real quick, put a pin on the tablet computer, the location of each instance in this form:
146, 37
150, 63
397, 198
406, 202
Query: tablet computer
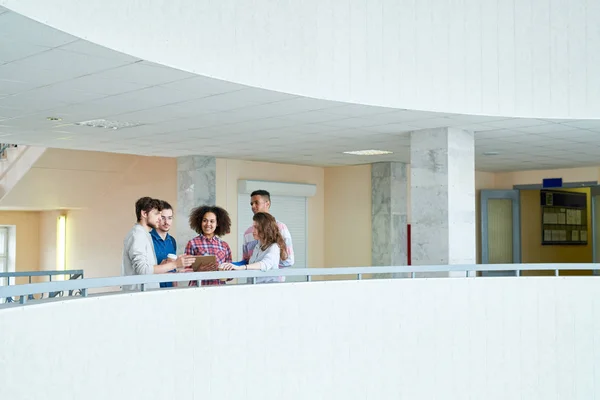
205, 263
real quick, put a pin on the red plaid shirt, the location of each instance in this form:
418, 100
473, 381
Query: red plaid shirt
202, 246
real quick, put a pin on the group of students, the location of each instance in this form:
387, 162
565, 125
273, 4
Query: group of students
149, 248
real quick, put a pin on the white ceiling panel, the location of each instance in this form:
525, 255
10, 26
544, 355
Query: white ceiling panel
498, 134
398, 117
204, 85
8, 87
32, 124
8, 112
57, 97
97, 84
514, 123
473, 119
311, 129
21, 29
151, 97
300, 104
583, 124
30, 102
12, 51
145, 74
258, 96
225, 101
356, 122
545, 128
524, 138
67, 62
151, 116
476, 127
568, 133
359, 110
91, 49
34, 74
313, 117
263, 111
431, 123
391, 128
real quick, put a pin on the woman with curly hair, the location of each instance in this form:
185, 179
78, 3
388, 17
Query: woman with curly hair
210, 222
269, 250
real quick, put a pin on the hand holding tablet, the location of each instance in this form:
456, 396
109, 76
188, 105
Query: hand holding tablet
205, 263
183, 263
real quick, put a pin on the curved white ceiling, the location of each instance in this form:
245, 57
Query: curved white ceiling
50, 81
526, 58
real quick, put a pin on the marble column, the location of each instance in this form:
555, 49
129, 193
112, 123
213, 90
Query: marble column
196, 185
442, 197
389, 214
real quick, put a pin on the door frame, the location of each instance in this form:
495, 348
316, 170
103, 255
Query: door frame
594, 191
513, 195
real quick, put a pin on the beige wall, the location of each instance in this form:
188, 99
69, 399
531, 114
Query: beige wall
48, 226
95, 234
348, 216
99, 190
230, 171
27, 225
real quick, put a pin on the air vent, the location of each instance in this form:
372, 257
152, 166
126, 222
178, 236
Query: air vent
103, 123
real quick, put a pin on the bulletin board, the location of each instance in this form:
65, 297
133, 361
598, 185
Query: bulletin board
564, 218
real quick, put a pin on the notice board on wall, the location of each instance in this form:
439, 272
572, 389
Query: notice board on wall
564, 218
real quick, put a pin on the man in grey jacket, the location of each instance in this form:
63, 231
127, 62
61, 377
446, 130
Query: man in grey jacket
138, 250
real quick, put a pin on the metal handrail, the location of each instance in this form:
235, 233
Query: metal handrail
71, 273
84, 284
40, 273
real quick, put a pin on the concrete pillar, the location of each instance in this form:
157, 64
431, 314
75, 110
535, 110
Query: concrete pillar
196, 185
389, 214
442, 197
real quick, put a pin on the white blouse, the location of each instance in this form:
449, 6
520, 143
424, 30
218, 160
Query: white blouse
268, 259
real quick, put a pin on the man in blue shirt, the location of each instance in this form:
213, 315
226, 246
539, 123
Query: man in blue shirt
164, 243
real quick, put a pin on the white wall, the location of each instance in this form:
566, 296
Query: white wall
453, 338
534, 58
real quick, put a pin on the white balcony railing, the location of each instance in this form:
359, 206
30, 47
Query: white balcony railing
25, 292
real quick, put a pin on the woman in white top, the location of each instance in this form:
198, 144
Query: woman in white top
269, 251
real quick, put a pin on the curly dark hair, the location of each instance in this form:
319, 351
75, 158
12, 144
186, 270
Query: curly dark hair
268, 231
147, 204
223, 220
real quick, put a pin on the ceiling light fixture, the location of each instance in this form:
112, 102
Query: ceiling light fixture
103, 123
368, 152
490, 153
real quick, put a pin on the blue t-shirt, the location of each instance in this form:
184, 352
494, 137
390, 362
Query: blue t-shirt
162, 248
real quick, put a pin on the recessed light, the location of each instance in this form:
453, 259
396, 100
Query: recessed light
368, 152
103, 123
490, 153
